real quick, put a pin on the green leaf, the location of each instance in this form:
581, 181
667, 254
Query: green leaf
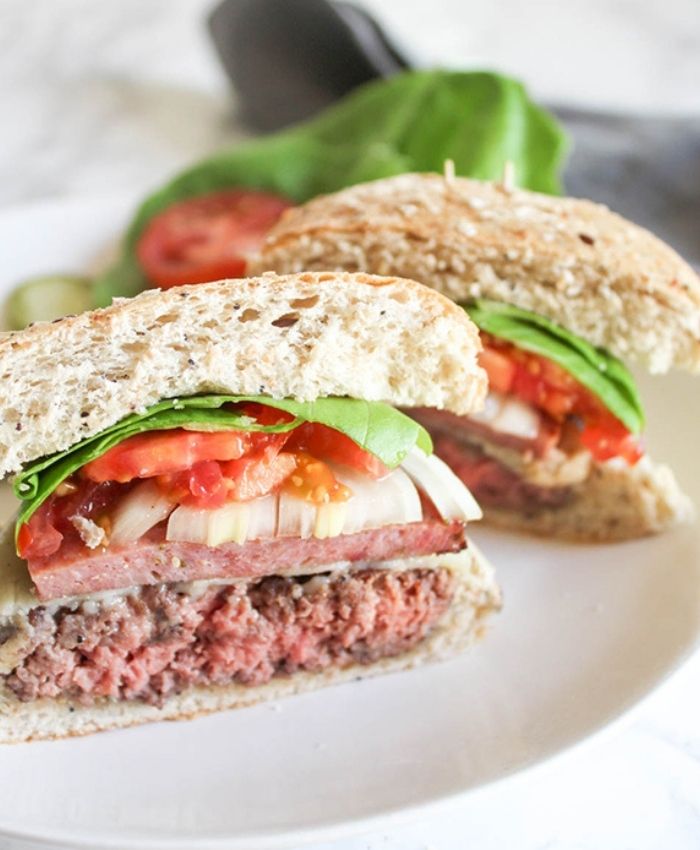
604, 375
411, 122
377, 427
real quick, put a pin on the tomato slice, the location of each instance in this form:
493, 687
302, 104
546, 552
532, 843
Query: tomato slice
239, 476
165, 452
605, 441
38, 538
207, 237
203, 485
325, 443
552, 390
499, 368
257, 475
43, 534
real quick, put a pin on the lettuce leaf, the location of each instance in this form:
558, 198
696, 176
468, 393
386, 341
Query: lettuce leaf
604, 375
411, 122
377, 427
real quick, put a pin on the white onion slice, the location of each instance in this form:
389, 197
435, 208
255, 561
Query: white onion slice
441, 485
295, 517
373, 504
392, 500
330, 519
229, 524
234, 522
262, 522
509, 416
141, 509
188, 525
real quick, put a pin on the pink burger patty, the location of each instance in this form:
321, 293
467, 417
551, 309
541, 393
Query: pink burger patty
157, 641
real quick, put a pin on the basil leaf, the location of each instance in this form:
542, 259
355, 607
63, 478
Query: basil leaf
411, 122
376, 427
604, 375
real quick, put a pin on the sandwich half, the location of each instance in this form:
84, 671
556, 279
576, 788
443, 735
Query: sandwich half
561, 290
219, 501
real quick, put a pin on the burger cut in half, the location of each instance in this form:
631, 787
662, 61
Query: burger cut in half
562, 291
219, 501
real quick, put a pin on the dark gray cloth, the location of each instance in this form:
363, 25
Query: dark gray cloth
288, 59
647, 169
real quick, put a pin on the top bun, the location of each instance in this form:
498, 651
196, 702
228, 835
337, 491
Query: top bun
299, 336
576, 262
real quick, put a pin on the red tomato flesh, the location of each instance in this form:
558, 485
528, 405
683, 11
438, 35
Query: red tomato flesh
47, 526
499, 367
202, 485
38, 538
207, 237
325, 443
257, 475
551, 389
157, 453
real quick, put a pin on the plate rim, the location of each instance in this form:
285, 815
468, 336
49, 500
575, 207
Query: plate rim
344, 828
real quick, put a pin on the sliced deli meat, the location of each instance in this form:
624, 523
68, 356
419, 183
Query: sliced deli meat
154, 560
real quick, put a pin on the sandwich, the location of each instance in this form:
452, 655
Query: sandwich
563, 291
220, 503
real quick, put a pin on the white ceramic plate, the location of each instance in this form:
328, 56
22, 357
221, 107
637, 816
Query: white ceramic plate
586, 632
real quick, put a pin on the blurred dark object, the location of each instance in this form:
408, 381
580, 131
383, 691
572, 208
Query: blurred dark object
289, 59
645, 168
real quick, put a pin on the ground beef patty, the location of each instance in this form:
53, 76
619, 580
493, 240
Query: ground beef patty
160, 640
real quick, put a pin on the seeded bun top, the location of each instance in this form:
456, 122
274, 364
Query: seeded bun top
299, 336
602, 277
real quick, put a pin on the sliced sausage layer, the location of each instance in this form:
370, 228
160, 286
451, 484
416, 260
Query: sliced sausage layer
76, 570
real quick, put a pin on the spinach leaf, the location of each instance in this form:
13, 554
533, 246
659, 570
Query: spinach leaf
411, 122
377, 427
604, 375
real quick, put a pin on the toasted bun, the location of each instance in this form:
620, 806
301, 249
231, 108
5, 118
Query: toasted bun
476, 596
615, 502
576, 262
300, 336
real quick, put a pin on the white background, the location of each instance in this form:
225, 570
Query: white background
98, 97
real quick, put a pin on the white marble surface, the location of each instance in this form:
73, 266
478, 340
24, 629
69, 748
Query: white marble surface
636, 55
104, 97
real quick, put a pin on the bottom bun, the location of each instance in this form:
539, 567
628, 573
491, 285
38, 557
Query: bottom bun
616, 502
476, 596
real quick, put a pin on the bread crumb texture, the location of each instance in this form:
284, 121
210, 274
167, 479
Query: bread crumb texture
299, 336
602, 277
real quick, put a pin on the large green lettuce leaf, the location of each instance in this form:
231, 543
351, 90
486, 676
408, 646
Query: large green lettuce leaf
377, 427
604, 375
412, 122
